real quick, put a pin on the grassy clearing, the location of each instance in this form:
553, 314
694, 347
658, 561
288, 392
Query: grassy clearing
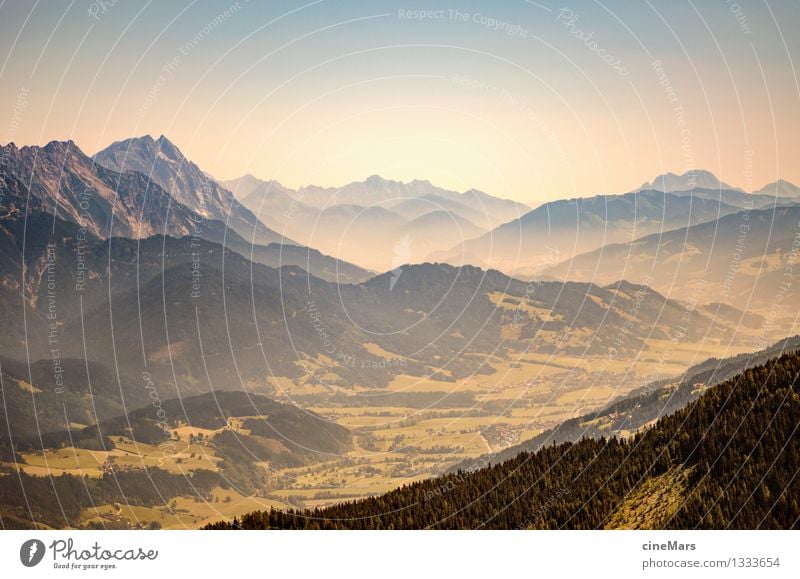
651, 504
379, 352
177, 458
28, 387
76, 461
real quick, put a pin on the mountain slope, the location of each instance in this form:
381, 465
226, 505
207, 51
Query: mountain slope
193, 447
559, 229
642, 406
740, 259
68, 183
780, 188
727, 460
438, 227
140, 304
161, 161
363, 222
314, 262
38, 400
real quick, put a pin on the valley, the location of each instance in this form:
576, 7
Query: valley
667, 476
412, 430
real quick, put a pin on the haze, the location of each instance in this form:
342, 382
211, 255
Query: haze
516, 100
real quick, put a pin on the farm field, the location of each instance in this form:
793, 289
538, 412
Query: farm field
181, 458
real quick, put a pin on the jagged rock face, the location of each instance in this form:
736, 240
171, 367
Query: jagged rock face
63, 180
163, 163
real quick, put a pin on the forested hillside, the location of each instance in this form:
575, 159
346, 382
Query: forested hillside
729, 459
642, 406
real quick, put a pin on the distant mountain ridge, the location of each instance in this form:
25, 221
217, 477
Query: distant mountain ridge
559, 229
702, 179
696, 179
779, 188
376, 189
738, 198
364, 221
740, 259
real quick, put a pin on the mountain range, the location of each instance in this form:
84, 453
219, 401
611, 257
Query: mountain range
741, 259
139, 303
150, 188
697, 179
62, 179
780, 188
59, 178
134, 272
559, 230
377, 223
183, 296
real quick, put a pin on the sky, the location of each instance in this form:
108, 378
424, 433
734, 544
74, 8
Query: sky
525, 100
